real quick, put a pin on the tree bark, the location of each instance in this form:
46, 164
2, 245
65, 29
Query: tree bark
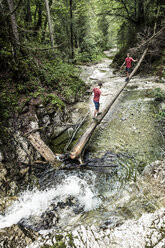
13, 22
140, 12
41, 147
39, 21
78, 149
49, 23
71, 29
28, 12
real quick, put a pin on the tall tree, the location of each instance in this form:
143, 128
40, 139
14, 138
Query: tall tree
71, 29
49, 23
28, 12
13, 22
141, 17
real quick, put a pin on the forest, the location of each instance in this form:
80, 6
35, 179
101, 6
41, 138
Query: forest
38, 36
47, 46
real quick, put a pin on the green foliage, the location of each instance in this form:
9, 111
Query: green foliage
161, 114
59, 243
49, 80
43, 74
71, 240
159, 94
63, 78
54, 100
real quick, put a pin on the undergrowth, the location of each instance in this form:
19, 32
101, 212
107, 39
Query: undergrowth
39, 78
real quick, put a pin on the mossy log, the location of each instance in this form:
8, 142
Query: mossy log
77, 151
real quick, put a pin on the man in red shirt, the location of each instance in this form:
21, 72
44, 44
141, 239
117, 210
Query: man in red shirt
128, 61
97, 93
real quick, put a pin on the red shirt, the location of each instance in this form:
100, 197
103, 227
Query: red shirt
128, 61
97, 93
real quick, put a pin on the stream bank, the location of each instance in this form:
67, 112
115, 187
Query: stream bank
97, 205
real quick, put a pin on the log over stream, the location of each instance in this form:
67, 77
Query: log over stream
77, 152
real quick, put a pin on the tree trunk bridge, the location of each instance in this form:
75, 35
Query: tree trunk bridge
77, 151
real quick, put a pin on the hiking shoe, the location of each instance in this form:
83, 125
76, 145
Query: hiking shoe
127, 79
99, 113
95, 119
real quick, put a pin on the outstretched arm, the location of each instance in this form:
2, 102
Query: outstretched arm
122, 65
106, 94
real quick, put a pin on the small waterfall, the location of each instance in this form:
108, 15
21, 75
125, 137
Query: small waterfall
34, 203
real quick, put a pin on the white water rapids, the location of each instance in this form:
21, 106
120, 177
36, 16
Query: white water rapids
37, 202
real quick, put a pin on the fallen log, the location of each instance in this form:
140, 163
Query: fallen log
41, 147
75, 132
78, 149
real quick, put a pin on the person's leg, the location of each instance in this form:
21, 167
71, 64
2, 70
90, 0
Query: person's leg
95, 113
96, 108
127, 72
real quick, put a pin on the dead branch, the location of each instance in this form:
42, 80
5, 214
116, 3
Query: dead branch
151, 38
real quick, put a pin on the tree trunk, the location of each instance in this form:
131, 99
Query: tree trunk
135, 8
140, 12
41, 147
78, 149
49, 23
39, 22
71, 29
44, 28
156, 16
13, 22
28, 12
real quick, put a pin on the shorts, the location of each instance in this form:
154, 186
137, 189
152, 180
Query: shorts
128, 69
97, 104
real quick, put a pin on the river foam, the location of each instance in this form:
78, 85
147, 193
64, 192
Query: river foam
37, 202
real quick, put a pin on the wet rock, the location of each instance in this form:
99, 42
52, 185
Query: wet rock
112, 223
49, 220
148, 231
46, 221
154, 175
25, 110
3, 172
46, 120
13, 188
1, 157
34, 124
142, 233
16, 237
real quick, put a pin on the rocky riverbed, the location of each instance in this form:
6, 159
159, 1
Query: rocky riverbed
147, 231
122, 205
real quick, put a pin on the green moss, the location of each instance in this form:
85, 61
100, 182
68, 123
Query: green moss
54, 100
59, 237
71, 240
159, 94
59, 243
161, 114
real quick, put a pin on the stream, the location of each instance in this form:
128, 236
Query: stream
104, 192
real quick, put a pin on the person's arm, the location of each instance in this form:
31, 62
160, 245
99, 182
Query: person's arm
134, 60
106, 94
122, 65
